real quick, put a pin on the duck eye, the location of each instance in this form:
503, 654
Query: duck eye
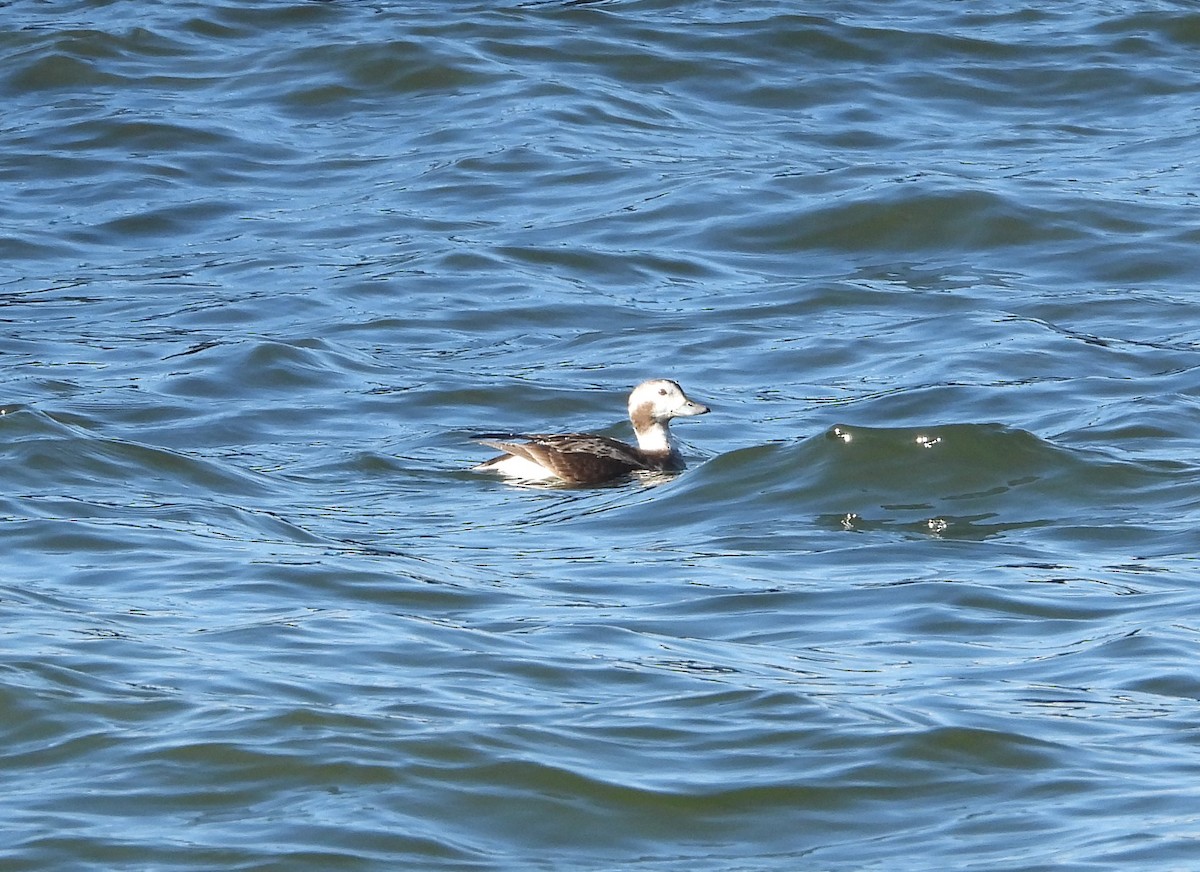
662, 392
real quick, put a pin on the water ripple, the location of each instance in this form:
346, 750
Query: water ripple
924, 595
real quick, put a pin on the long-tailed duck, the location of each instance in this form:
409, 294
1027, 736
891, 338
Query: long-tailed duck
582, 458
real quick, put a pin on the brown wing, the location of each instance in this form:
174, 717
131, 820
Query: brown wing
579, 458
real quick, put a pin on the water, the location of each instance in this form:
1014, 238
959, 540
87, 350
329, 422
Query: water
924, 599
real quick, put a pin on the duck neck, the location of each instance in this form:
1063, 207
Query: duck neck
653, 437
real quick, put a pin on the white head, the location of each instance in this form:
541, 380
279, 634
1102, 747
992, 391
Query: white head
652, 404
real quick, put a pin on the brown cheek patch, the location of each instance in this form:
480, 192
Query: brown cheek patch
642, 416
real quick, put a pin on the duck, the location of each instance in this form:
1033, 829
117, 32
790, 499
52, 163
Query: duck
585, 458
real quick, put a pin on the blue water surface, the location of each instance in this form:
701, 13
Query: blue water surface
925, 598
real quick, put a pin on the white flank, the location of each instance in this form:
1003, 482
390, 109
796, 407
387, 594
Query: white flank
517, 467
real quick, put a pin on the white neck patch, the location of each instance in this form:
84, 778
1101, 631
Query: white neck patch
654, 438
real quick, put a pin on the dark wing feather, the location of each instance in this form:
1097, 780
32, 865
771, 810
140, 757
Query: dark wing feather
579, 458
